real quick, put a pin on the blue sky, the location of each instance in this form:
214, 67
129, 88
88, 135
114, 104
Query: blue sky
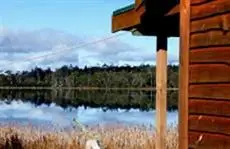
33, 28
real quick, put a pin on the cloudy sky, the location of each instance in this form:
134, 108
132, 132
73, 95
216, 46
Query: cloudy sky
52, 33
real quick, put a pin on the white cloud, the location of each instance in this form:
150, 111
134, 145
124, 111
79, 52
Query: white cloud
20, 49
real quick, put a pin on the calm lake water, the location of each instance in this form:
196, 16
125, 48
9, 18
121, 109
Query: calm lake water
42, 111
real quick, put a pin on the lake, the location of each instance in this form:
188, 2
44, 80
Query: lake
43, 108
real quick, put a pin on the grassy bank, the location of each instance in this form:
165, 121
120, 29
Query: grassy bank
116, 137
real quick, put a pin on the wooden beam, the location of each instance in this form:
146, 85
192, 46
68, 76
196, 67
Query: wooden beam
216, 91
210, 124
210, 39
127, 20
174, 10
210, 55
199, 2
208, 9
138, 4
219, 22
203, 140
184, 72
209, 107
161, 94
209, 73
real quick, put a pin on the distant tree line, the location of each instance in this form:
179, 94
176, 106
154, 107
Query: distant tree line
105, 76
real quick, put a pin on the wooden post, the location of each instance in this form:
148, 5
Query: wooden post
161, 93
184, 73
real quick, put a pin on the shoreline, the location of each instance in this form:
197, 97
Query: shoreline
79, 88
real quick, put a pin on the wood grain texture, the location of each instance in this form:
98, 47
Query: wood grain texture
126, 20
198, 140
210, 9
209, 73
198, 2
210, 91
161, 93
219, 22
209, 124
209, 107
173, 11
138, 4
211, 38
210, 55
184, 72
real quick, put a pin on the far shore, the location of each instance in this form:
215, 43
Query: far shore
78, 88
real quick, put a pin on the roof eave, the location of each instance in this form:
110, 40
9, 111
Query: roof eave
126, 20
123, 10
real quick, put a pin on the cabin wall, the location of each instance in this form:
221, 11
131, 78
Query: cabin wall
209, 75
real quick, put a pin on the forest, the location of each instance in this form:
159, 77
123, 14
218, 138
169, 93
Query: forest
104, 76
58, 86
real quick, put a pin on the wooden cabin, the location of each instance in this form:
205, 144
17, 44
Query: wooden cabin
204, 92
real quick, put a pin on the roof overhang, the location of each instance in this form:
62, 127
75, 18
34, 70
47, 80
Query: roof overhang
138, 17
127, 17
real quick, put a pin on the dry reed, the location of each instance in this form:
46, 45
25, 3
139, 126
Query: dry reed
124, 137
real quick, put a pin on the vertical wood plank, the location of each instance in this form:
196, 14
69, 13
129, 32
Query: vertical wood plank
161, 93
184, 72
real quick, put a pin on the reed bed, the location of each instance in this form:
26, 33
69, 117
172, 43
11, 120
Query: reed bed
112, 137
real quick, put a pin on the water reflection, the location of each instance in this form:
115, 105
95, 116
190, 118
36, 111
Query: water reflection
59, 107
106, 99
26, 112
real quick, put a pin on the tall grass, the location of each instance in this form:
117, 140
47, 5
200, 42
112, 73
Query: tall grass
113, 137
